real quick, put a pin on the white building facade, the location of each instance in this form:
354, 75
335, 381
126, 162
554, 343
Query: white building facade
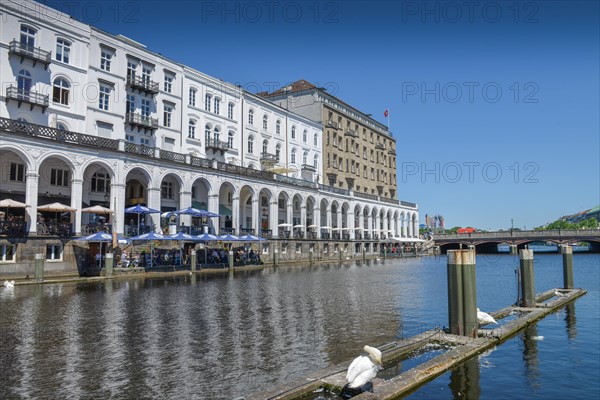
89, 118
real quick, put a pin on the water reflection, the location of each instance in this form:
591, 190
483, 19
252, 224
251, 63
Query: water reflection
464, 380
571, 319
530, 339
190, 337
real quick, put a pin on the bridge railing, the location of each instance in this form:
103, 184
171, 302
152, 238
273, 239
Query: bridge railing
547, 233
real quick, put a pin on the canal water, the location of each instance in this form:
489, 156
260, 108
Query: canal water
224, 336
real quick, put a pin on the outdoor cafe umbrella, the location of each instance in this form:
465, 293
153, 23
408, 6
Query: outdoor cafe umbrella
138, 209
206, 237
183, 237
285, 225
101, 237
58, 208
97, 210
151, 237
10, 203
251, 238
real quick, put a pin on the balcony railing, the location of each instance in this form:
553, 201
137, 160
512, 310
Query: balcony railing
46, 133
308, 167
142, 84
392, 151
27, 96
13, 228
351, 132
141, 121
387, 200
380, 146
268, 157
139, 149
34, 54
216, 145
332, 124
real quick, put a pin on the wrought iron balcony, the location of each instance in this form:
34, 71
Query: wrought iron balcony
332, 124
268, 157
142, 84
216, 145
34, 54
308, 167
380, 146
141, 121
27, 96
351, 132
392, 151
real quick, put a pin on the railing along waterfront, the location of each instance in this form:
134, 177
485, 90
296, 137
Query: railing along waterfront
44, 132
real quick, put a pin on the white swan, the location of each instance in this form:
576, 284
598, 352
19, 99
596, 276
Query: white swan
484, 318
558, 294
364, 368
9, 284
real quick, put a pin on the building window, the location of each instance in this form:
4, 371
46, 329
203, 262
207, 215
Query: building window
293, 156
130, 103
316, 162
130, 138
216, 134
293, 132
278, 152
24, 82
192, 129
316, 139
145, 107
250, 144
265, 122
131, 69
53, 252
304, 136
265, 146
101, 182
63, 50
278, 127
27, 38
192, 97
207, 100
305, 158
251, 117
168, 85
207, 130
60, 92
146, 75
104, 97
17, 172
105, 59
166, 190
217, 105
168, 112
230, 138
7, 253
230, 110
145, 141
59, 177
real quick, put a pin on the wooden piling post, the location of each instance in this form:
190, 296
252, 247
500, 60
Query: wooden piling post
527, 278
567, 256
469, 291
455, 306
193, 261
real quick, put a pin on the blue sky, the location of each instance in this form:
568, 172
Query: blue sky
494, 105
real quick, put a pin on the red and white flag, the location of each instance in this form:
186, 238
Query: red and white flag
386, 113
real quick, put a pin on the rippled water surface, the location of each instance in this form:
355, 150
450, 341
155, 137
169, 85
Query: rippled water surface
226, 336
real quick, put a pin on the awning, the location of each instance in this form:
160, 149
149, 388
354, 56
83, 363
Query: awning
407, 240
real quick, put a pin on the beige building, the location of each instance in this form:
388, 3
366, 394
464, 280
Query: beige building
359, 153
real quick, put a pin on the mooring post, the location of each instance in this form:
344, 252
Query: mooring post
527, 278
230, 260
455, 295
275, 256
469, 289
311, 255
193, 261
364, 252
108, 264
567, 255
39, 267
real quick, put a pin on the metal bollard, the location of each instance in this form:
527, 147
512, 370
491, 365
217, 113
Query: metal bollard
193, 261
469, 289
39, 267
108, 263
230, 259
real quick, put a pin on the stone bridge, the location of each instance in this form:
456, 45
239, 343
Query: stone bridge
487, 242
